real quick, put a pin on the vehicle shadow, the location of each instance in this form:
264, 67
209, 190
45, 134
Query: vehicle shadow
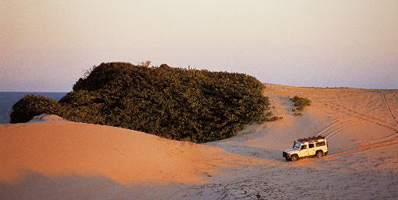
255, 152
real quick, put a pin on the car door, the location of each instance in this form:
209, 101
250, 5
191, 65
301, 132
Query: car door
303, 150
311, 149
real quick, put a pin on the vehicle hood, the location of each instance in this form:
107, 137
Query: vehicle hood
289, 151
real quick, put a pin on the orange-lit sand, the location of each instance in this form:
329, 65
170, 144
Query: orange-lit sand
57, 148
64, 160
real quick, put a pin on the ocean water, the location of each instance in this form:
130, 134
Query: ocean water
8, 99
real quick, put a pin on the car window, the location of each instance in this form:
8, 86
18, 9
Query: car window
303, 147
320, 144
311, 146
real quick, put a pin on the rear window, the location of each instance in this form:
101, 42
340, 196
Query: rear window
320, 144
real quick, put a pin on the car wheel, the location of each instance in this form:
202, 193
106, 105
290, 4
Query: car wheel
319, 154
294, 158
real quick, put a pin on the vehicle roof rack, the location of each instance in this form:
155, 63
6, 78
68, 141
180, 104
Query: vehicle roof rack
311, 139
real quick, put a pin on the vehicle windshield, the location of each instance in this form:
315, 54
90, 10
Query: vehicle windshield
296, 145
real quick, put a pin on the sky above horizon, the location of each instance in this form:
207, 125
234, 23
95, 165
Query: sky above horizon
45, 45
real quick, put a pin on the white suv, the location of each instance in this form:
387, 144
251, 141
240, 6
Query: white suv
315, 146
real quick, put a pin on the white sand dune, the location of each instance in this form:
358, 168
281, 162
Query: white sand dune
57, 159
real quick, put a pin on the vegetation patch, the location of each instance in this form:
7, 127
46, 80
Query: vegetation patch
32, 105
300, 103
176, 103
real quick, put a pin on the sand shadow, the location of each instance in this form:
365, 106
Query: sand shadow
37, 186
255, 152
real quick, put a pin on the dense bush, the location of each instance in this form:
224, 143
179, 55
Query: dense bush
300, 102
31, 105
181, 104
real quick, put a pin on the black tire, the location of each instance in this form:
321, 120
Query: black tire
294, 157
319, 154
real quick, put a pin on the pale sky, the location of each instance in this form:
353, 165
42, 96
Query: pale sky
45, 45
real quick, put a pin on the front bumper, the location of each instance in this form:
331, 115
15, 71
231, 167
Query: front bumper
286, 155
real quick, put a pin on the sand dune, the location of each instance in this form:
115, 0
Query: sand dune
59, 148
56, 159
61, 152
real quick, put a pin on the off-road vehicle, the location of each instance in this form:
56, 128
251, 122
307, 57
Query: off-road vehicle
304, 147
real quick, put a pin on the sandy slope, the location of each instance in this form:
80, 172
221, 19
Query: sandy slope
64, 160
50, 158
361, 128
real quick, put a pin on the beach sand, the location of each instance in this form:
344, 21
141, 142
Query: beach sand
50, 158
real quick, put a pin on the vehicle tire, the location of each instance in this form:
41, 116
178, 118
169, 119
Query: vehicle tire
319, 154
294, 158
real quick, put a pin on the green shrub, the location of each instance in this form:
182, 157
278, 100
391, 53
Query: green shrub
31, 105
300, 103
181, 104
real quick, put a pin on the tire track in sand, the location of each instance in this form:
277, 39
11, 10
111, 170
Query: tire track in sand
337, 130
348, 111
333, 124
325, 132
361, 148
358, 115
343, 128
364, 146
383, 96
